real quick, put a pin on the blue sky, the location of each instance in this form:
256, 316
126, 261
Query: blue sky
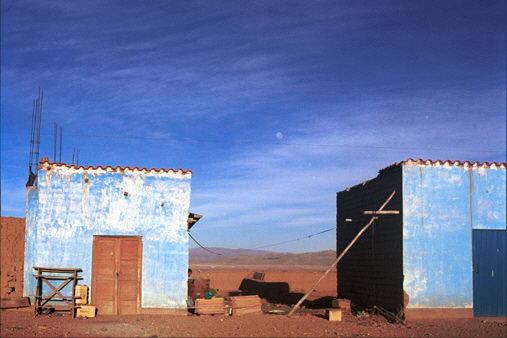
274, 105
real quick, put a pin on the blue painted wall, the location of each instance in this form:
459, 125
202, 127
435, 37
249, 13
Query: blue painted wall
488, 199
72, 205
441, 206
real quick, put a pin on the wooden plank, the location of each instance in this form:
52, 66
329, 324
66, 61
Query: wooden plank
41, 269
56, 277
382, 212
7, 303
246, 311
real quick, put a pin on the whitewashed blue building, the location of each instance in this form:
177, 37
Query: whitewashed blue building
446, 247
126, 228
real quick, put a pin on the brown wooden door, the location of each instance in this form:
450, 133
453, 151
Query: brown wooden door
116, 274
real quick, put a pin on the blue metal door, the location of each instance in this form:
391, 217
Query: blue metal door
490, 270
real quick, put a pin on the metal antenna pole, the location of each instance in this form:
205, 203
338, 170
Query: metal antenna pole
60, 159
73, 151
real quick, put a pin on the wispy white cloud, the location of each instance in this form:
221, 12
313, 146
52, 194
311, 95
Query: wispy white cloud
350, 87
295, 186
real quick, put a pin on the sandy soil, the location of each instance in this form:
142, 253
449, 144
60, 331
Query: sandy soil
306, 322
302, 324
229, 280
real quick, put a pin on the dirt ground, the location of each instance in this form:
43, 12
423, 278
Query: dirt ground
226, 280
302, 324
306, 322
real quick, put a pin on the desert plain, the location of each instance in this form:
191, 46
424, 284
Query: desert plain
309, 321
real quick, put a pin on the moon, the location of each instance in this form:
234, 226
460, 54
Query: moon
279, 135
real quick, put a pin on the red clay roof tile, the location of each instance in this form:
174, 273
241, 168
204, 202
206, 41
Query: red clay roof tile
184, 172
429, 162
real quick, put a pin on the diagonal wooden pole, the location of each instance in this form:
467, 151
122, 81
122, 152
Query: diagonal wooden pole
340, 257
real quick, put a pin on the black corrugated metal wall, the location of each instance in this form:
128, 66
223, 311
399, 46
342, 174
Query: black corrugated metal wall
371, 273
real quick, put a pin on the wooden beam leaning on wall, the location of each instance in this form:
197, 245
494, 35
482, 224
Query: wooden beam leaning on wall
341, 255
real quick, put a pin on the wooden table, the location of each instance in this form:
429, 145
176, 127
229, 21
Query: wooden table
49, 276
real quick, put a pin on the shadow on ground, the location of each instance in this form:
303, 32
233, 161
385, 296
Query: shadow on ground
279, 293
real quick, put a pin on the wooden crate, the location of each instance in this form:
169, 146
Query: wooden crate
242, 305
86, 311
246, 301
81, 294
210, 306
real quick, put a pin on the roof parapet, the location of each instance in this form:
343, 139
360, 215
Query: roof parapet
448, 163
45, 164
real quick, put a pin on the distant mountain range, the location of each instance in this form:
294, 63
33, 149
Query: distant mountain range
200, 253
230, 257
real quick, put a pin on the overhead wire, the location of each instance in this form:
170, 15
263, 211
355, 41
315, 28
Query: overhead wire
292, 240
263, 246
215, 253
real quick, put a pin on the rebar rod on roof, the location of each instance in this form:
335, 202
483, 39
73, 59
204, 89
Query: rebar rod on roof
32, 132
56, 134
41, 95
35, 139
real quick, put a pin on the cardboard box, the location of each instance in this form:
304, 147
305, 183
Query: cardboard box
334, 315
81, 294
86, 311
